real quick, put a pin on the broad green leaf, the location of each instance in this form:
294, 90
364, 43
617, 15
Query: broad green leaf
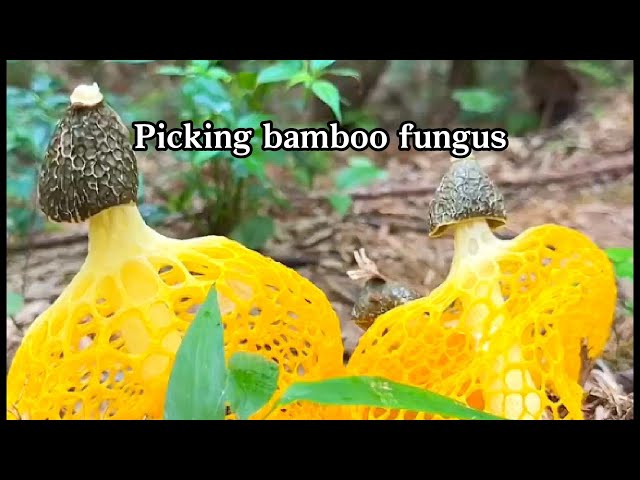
360, 173
200, 65
518, 123
300, 77
622, 259
624, 270
329, 94
379, 393
278, 72
206, 87
340, 203
197, 381
247, 80
218, 73
620, 254
319, 65
344, 72
15, 302
478, 100
251, 382
170, 70
254, 232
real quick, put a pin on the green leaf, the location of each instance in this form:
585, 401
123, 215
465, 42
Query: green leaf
200, 65
518, 123
319, 65
15, 302
620, 254
218, 73
622, 259
247, 80
329, 94
254, 232
197, 381
340, 203
300, 77
170, 70
478, 100
360, 173
251, 382
624, 270
345, 72
278, 72
379, 393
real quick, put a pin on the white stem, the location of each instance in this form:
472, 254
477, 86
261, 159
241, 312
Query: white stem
118, 233
475, 248
474, 267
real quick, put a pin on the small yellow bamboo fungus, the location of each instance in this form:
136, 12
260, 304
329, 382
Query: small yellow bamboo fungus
503, 333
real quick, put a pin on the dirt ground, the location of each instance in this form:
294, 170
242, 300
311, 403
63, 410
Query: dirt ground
579, 175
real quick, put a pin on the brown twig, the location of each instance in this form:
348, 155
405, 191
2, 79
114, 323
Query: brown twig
616, 168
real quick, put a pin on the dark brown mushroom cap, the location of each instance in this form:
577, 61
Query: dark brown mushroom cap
378, 297
465, 192
89, 165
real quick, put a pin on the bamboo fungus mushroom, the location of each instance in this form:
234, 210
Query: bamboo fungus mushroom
506, 329
105, 348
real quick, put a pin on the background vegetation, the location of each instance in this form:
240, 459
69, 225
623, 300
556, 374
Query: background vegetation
221, 195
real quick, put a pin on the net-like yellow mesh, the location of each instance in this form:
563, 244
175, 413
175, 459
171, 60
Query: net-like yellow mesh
557, 288
106, 347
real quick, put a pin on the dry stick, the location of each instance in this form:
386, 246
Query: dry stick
618, 168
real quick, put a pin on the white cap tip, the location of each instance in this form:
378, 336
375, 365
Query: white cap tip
86, 95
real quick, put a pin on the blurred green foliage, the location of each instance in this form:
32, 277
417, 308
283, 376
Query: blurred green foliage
237, 192
622, 259
31, 117
233, 195
215, 192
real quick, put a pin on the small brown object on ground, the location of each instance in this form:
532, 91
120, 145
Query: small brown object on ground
379, 294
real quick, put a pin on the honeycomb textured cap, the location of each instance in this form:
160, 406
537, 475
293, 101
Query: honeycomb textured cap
465, 192
89, 165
